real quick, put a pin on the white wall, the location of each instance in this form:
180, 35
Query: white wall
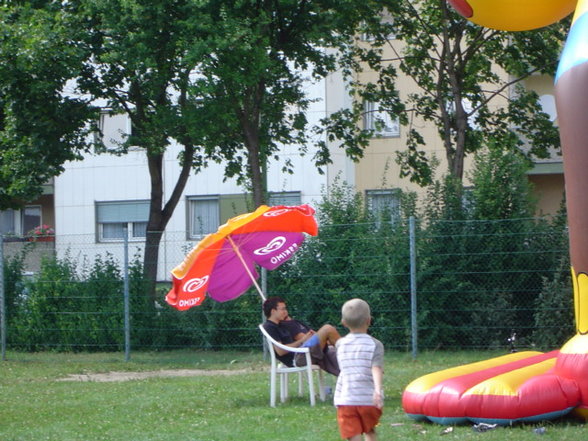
106, 177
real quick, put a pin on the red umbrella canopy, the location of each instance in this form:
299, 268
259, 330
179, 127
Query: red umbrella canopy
223, 264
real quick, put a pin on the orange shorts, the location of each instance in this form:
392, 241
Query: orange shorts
355, 420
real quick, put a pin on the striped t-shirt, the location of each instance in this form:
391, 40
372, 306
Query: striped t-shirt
356, 354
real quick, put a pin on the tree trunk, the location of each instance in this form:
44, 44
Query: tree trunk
460, 142
257, 181
249, 118
160, 213
156, 224
150, 260
458, 122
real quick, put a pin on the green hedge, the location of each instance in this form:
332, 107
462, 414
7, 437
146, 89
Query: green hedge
485, 269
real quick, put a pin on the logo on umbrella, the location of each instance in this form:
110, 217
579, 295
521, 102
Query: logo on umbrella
194, 285
190, 302
274, 245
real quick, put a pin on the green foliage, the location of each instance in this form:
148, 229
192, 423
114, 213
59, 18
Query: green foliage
482, 272
482, 257
40, 128
460, 71
13, 268
554, 309
501, 189
353, 256
61, 311
70, 306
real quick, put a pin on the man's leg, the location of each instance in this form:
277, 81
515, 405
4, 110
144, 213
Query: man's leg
328, 334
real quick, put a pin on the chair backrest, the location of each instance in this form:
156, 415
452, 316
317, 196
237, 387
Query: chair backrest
267, 341
271, 343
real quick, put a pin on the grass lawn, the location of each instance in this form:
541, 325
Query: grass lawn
35, 405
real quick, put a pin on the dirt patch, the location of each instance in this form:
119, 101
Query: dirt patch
128, 376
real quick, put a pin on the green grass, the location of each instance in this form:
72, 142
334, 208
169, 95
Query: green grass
35, 406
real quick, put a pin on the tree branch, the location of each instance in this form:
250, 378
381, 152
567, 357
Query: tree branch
499, 91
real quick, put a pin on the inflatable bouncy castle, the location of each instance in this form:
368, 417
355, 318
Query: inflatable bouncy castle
530, 386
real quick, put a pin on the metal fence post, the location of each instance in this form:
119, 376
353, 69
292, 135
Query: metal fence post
2, 301
413, 287
126, 297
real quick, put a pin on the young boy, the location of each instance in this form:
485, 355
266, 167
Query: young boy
358, 395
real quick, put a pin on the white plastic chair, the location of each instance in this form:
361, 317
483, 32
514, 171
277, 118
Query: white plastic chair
282, 370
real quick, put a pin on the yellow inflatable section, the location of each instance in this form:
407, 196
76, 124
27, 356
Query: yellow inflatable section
519, 387
426, 382
514, 15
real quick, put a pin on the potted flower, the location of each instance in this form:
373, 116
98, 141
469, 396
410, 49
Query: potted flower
42, 233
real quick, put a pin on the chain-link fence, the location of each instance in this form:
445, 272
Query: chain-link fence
466, 285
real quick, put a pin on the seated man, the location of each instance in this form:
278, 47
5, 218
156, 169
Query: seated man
295, 334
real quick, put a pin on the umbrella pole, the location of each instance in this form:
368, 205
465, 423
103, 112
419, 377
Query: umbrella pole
238, 253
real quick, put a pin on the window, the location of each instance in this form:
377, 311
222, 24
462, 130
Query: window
135, 134
387, 21
114, 218
203, 215
284, 198
30, 218
20, 221
379, 121
384, 204
114, 129
7, 222
547, 103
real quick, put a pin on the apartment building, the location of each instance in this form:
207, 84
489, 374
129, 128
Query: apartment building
377, 175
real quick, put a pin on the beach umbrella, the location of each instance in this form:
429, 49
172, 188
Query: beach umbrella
224, 264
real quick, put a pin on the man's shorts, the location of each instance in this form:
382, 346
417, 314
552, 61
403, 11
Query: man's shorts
355, 420
325, 358
314, 340
316, 352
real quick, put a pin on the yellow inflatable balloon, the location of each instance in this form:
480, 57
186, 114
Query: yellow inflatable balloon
514, 15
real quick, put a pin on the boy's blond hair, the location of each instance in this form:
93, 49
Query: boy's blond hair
355, 313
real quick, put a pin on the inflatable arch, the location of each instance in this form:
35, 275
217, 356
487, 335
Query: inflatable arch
530, 386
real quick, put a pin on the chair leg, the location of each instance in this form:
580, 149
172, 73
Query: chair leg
273, 388
283, 387
310, 386
300, 384
321, 385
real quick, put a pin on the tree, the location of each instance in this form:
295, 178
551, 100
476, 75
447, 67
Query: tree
501, 187
40, 128
467, 82
225, 80
221, 79
263, 55
483, 254
141, 57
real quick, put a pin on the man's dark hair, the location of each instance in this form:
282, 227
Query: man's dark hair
271, 303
